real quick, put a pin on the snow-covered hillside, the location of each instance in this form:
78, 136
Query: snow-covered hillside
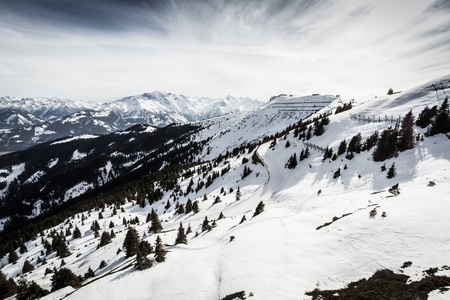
316, 229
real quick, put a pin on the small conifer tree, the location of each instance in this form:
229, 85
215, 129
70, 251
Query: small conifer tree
259, 209
238, 194
76, 233
12, 258
27, 267
243, 219
195, 208
391, 172
131, 242
155, 226
181, 236
205, 225
160, 253
89, 274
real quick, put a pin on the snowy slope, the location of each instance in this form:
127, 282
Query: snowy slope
303, 237
228, 132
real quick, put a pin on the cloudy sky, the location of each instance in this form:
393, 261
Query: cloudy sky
106, 49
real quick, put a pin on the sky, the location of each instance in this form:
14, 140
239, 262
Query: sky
107, 49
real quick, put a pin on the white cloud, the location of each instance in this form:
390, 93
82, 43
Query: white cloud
251, 48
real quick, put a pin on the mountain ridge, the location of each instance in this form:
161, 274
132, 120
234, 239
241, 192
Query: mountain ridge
23, 121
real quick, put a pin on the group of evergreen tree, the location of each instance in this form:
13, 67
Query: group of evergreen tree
65, 277
29, 290
292, 161
8, 287
59, 245
142, 249
441, 122
247, 171
438, 120
346, 106
304, 154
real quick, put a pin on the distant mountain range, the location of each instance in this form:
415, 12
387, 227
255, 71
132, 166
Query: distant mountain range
29, 121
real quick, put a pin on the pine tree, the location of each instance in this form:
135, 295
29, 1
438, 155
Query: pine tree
319, 129
105, 239
371, 141
142, 262
243, 219
386, 145
238, 194
355, 144
29, 290
27, 267
102, 265
391, 172
259, 209
342, 147
247, 171
328, 153
425, 116
441, 123
65, 277
180, 209
195, 207
160, 253
292, 162
155, 226
7, 286
395, 190
61, 249
221, 216
131, 242
89, 274
188, 206
76, 233
205, 225
22, 248
12, 259
167, 205
407, 133
337, 173
181, 236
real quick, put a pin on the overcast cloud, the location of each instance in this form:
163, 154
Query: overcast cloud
106, 49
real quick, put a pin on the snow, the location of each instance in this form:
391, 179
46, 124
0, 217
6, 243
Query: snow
41, 130
77, 155
35, 177
52, 162
77, 190
9, 176
289, 248
80, 137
